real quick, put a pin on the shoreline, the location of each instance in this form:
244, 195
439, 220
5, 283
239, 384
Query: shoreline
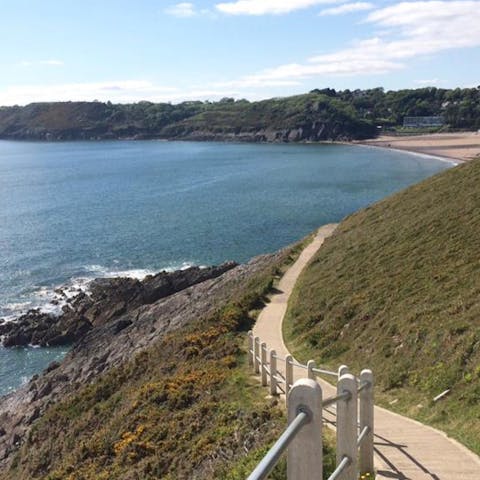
441, 158
457, 147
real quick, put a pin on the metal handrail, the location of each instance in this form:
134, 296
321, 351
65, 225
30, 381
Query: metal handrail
320, 371
340, 467
342, 396
296, 364
273, 456
363, 386
365, 431
278, 357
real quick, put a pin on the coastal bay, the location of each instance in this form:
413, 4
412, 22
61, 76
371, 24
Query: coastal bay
75, 211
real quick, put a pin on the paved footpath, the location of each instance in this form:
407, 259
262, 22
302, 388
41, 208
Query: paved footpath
404, 449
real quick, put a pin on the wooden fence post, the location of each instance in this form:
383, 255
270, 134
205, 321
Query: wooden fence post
273, 372
304, 461
263, 363
310, 366
256, 354
251, 352
342, 370
366, 420
288, 374
347, 426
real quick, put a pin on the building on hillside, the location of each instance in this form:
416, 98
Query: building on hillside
422, 122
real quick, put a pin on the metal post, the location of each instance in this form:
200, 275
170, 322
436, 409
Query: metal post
347, 426
256, 354
288, 374
304, 461
251, 351
273, 372
342, 370
366, 420
263, 363
310, 366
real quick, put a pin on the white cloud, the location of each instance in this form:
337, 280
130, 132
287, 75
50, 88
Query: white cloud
51, 63
121, 91
268, 7
428, 83
347, 8
415, 29
182, 10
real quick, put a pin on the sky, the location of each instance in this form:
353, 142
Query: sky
170, 51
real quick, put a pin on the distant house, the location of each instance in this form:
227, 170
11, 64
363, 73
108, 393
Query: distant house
421, 122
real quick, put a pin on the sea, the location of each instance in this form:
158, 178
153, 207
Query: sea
74, 211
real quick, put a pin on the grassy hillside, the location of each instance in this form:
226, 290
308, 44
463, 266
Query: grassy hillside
186, 408
397, 289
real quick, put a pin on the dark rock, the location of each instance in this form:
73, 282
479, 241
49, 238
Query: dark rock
109, 299
120, 325
52, 366
35, 414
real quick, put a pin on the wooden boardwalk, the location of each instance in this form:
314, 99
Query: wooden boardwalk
404, 449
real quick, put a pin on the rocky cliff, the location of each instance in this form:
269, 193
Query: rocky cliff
310, 117
106, 300
126, 318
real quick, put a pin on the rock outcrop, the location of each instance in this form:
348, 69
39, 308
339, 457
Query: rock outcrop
115, 338
107, 299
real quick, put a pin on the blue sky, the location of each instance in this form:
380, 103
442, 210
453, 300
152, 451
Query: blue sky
127, 51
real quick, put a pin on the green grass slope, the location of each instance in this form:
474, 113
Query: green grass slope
186, 408
397, 289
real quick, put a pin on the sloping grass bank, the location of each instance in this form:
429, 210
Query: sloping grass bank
397, 289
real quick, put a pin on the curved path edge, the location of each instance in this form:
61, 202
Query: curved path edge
405, 449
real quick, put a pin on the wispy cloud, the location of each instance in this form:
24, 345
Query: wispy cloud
121, 91
347, 8
414, 29
268, 7
427, 83
50, 63
182, 10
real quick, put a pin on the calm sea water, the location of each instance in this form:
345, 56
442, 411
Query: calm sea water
70, 212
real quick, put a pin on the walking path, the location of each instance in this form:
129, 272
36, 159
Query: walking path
404, 449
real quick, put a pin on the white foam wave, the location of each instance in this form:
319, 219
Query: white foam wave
51, 300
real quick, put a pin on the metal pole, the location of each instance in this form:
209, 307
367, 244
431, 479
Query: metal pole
366, 421
263, 363
271, 458
251, 351
256, 354
273, 372
288, 374
347, 426
305, 461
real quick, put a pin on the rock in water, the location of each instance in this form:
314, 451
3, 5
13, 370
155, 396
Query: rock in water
108, 299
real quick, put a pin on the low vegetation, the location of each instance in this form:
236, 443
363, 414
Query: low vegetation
186, 408
397, 289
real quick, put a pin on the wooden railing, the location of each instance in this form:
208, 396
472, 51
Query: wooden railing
305, 403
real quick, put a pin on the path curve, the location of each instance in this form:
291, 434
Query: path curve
404, 449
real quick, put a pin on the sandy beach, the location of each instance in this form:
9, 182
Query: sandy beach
462, 146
